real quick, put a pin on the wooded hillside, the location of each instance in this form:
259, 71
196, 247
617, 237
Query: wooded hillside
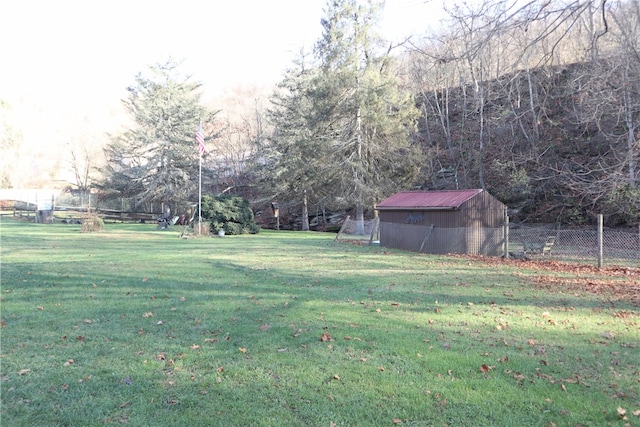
539, 104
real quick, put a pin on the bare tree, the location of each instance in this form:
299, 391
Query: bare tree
242, 128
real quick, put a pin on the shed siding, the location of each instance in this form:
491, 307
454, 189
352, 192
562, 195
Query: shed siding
474, 228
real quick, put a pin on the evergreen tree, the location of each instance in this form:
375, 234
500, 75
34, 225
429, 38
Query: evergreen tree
368, 120
343, 127
156, 160
294, 166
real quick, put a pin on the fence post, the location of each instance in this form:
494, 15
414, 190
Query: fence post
426, 237
505, 254
600, 241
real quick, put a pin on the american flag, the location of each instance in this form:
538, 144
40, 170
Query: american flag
200, 140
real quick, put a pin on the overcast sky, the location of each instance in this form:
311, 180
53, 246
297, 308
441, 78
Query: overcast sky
61, 58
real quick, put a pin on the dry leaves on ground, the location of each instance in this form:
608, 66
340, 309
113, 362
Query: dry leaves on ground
621, 283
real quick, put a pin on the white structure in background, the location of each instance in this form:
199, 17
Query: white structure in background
39, 201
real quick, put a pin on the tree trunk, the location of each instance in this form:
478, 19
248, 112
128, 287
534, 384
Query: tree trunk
631, 139
360, 219
305, 212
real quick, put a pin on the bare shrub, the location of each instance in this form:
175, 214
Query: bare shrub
92, 223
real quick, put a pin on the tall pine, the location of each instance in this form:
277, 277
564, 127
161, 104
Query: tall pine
368, 120
295, 167
156, 159
343, 127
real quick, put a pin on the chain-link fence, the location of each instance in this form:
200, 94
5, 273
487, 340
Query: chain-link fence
520, 241
574, 245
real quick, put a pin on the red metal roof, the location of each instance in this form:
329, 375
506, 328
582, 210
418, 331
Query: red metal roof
447, 199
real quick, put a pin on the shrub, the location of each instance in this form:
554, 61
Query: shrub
92, 223
229, 213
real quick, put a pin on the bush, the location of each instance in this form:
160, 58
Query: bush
92, 223
229, 213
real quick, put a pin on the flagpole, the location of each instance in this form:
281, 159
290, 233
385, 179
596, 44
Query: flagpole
200, 199
200, 187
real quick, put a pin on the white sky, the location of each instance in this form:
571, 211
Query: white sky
64, 59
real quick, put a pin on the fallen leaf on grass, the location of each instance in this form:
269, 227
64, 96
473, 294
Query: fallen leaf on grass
41, 308
397, 421
147, 314
608, 335
325, 337
124, 405
265, 327
69, 362
24, 371
484, 368
519, 377
242, 350
622, 412
195, 347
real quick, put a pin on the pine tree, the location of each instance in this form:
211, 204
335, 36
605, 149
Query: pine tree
369, 120
295, 167
343, 127
156, 160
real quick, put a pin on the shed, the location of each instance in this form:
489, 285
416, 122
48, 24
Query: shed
439, 222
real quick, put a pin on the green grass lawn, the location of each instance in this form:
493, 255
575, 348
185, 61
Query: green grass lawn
137, 326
